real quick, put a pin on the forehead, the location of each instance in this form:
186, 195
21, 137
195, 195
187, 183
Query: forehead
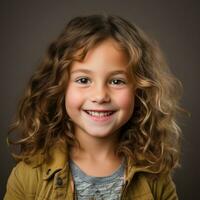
107, 53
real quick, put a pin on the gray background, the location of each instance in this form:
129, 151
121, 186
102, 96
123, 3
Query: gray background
27, 27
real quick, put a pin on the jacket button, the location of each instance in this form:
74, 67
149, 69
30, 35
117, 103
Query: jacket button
59, 181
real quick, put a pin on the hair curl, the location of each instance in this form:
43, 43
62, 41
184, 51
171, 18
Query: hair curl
150, 138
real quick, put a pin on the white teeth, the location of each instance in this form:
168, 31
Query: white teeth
99, 114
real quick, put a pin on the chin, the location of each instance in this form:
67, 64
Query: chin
100, 134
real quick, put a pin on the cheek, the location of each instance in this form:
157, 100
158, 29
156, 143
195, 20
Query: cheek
72, 99
125, 100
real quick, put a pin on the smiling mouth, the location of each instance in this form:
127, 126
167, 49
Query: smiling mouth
99, 114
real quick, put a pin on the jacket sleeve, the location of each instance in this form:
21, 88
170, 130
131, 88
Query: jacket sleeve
164, 188
18, 183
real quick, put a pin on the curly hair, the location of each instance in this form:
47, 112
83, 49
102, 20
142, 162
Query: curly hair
150, 138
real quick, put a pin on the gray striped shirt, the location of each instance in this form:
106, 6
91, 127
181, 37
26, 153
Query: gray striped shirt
98, 188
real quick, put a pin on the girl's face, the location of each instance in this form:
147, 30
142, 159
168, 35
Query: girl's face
100, 93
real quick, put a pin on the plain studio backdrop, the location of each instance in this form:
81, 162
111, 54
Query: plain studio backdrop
27, 27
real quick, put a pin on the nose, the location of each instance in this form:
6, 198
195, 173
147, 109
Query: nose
100, 95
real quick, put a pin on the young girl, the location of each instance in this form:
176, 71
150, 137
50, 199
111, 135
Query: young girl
98, 118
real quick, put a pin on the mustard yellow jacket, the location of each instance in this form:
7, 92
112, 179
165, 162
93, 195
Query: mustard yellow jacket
53, 181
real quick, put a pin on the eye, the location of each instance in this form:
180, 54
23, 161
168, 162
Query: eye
83, 80
117, 82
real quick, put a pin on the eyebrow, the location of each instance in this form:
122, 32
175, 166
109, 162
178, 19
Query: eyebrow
90, 72
81, 70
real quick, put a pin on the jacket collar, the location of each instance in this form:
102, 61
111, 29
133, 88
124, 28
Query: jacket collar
59, 158
59, 161
132, 169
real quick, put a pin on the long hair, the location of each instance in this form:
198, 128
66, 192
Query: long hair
151, 137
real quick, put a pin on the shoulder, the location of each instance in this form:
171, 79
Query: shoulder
25, 171
162, 187
146, 185
22, 180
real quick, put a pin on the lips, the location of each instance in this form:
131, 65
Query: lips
100, 115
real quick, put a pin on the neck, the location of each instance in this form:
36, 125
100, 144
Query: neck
93, 148
96, 156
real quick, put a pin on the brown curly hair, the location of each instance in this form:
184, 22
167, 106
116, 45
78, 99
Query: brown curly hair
150, 138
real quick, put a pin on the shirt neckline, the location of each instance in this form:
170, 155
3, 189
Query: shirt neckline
77, 172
